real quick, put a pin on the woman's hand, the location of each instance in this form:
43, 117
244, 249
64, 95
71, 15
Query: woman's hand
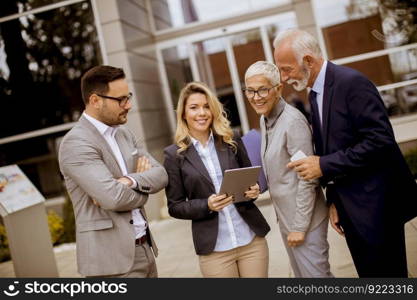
295, 239
252, 192
218, 202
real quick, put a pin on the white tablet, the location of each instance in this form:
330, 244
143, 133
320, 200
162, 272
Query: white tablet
237, 181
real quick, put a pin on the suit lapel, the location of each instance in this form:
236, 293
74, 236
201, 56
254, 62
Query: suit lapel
102, 144
193, 158
223, 155
125, 150
263, 136
327, 99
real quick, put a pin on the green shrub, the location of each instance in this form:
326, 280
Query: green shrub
56, 226
4, 245
411, 159
69, 222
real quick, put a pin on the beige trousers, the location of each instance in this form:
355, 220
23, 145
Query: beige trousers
247, 261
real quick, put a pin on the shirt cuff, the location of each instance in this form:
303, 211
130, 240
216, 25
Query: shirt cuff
135, 184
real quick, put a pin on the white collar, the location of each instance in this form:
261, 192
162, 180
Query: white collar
197, 142
104, 129
318, 85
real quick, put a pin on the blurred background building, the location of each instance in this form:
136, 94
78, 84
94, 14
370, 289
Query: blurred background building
46, 45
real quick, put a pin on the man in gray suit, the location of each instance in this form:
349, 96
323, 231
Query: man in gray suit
109, 176
299, 204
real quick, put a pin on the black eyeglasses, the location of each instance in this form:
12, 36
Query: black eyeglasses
122, 100
262, 92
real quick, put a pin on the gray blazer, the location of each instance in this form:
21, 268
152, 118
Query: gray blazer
105, 237
299, 204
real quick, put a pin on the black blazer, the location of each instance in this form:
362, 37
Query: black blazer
190, 186
360, 155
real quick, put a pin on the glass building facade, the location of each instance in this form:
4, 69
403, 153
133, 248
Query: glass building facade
46, 45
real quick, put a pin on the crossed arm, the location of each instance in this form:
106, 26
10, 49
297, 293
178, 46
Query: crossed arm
142, 165
85, 168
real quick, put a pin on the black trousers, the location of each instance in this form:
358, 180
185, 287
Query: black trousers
385, 259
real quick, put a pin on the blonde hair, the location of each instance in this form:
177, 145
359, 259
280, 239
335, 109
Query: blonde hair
220, 124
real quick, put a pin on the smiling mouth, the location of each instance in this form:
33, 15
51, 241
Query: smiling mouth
292, 82
259, 104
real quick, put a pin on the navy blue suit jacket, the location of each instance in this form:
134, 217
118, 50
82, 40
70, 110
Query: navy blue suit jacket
360, 155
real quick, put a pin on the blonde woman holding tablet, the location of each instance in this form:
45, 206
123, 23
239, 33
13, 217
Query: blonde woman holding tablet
228, 238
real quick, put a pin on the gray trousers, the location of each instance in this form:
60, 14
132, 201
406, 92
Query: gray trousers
144, 265
310, 259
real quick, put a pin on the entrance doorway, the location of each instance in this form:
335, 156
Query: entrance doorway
220, 58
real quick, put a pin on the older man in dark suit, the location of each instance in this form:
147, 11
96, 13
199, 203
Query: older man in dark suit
369, 187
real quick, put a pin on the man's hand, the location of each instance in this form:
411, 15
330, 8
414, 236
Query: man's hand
252, 192
218, 202
308, 168
295, 239
143, 164
125, 180
95, 202
334, 220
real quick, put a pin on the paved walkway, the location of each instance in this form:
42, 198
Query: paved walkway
178, 259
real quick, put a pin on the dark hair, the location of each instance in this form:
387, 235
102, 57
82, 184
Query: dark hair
96, 80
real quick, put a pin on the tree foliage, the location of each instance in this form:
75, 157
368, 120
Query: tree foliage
46, 54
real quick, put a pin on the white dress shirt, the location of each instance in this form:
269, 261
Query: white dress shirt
233, 230
318, 87
108, 133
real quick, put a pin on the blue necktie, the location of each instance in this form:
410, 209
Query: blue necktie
315, 122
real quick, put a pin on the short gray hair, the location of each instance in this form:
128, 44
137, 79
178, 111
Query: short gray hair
301, 41
266, 69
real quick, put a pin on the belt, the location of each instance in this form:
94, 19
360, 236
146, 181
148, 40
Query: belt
142, 240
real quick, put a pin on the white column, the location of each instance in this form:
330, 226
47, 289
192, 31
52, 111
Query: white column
193, 62
231, 61
97, 23
266, 44
166, 92
306, 19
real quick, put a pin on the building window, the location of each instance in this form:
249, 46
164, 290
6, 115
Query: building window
177, 13
42, 58
11, 7
381, 44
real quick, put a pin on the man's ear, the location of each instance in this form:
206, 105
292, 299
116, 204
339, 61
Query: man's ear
308, 60
94, 100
